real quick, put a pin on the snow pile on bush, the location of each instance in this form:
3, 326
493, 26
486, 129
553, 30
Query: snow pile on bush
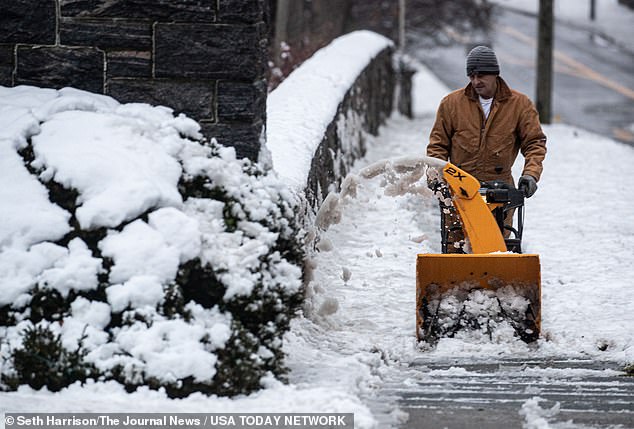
132, 250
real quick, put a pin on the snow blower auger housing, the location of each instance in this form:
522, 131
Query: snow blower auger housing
483, 289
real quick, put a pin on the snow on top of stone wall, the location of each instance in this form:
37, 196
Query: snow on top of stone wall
300, 108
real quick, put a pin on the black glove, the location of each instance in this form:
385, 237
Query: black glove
528, 185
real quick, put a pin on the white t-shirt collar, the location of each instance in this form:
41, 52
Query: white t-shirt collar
486, 105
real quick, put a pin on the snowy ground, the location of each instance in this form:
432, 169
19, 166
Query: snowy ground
358, 333
576, 222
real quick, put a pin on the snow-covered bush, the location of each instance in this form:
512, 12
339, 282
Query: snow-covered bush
132, 250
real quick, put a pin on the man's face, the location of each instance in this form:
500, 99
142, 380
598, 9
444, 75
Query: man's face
484, 84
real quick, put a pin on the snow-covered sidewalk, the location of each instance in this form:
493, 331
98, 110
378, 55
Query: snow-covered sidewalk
361, 334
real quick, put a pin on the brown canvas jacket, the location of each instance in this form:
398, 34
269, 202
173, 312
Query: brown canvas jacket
487, 150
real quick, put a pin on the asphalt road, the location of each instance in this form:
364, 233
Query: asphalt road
593, 83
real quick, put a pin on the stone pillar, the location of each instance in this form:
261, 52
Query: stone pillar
204, 58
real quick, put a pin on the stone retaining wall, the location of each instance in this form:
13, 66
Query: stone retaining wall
366, 106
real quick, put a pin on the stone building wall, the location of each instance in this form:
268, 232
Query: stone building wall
204, 58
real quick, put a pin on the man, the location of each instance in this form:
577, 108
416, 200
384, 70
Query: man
481, 128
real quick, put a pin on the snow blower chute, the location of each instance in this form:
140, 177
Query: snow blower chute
491, 285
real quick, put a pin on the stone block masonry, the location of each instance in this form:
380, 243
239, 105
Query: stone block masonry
204, 58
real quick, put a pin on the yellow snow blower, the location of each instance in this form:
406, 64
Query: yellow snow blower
489, 286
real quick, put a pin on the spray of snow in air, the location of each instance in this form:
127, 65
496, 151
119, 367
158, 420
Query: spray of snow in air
399, 176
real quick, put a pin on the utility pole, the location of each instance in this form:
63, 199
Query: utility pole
401, 24
544, 82
592, 10
281, 28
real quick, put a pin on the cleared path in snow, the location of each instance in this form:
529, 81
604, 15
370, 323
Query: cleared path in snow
505, 394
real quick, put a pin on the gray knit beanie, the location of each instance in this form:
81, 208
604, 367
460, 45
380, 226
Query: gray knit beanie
482, 60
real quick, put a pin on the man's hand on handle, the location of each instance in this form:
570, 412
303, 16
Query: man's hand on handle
528, 185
